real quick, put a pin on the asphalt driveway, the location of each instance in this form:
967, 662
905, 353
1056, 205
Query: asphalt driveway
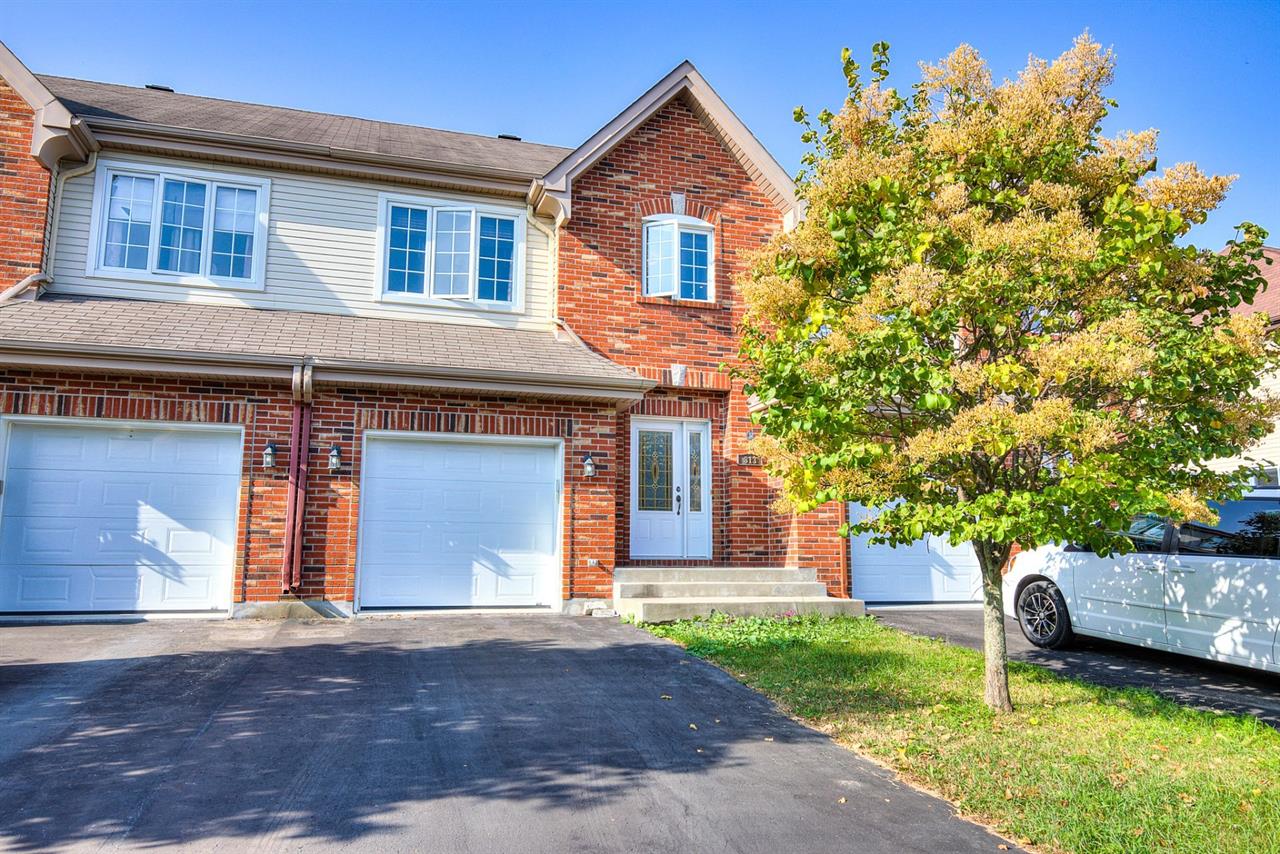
461, 733
1190, 681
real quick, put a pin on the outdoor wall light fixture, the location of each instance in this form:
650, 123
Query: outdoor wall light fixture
335, 458
588, 466
269, 456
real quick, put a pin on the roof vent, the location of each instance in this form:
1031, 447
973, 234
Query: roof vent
510, 136
159, 88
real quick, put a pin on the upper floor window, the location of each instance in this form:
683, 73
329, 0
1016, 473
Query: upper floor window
679, 253
182, 226
435, 250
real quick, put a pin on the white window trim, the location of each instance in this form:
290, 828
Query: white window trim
469, 302
681, 223
94, 268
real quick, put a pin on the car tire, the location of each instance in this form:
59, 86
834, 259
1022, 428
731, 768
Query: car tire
1042, 615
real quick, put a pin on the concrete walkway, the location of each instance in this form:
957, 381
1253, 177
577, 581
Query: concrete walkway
460, 733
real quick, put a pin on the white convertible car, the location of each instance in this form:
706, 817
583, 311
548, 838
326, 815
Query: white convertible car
1211, 592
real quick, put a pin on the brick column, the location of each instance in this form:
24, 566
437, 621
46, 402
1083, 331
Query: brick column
24, 192
813, 541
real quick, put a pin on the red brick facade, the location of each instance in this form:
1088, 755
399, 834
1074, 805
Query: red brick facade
601, 298
24, 192
341, 416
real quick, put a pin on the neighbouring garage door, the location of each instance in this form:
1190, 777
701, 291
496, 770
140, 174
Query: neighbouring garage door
98, 518
928, 570
458, 523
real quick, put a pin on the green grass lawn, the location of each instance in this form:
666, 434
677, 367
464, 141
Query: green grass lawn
1076, 768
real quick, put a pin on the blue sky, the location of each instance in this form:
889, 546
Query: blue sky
1207, 74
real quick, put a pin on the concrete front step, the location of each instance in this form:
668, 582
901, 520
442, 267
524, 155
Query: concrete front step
660, 574
717, 589
666, 610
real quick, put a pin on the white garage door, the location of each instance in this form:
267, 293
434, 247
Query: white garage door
456, 523
928, 570
108, 518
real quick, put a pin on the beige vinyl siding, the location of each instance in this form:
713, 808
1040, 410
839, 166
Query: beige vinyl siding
321, 252
1266, 451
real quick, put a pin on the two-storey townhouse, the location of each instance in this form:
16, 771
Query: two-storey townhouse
252, 356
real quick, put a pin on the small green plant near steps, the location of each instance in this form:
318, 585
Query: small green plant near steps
1077, 768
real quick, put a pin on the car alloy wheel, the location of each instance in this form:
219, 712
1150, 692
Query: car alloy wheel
1040, 615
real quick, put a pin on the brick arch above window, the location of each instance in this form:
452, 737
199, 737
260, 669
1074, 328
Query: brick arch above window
665, 205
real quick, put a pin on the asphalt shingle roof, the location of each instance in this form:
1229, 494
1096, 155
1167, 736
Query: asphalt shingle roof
224, 330
90, 100
1269, 299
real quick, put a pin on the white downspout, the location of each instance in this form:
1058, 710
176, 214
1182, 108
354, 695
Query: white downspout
553, 260
59, 185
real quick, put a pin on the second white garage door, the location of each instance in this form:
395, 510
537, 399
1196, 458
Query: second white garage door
928, 570
458, 523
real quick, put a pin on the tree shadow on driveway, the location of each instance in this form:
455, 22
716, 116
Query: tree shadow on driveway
483, 743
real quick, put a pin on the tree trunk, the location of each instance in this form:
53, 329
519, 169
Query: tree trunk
992, 558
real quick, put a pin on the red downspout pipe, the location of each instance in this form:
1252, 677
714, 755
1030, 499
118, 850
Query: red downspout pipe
286, 573
296, 493
300, 501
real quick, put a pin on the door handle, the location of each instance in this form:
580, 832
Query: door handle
677, 501
1185, 570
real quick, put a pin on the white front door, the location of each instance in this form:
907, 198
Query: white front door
670, 488
459, 522
110, 517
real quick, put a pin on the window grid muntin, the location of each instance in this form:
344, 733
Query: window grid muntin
235, 215
654, 460
695, 264
451, 254
104, 233
457, 271
660, 259
408, 241
131, 248
678, 258
495, 259
182, 209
